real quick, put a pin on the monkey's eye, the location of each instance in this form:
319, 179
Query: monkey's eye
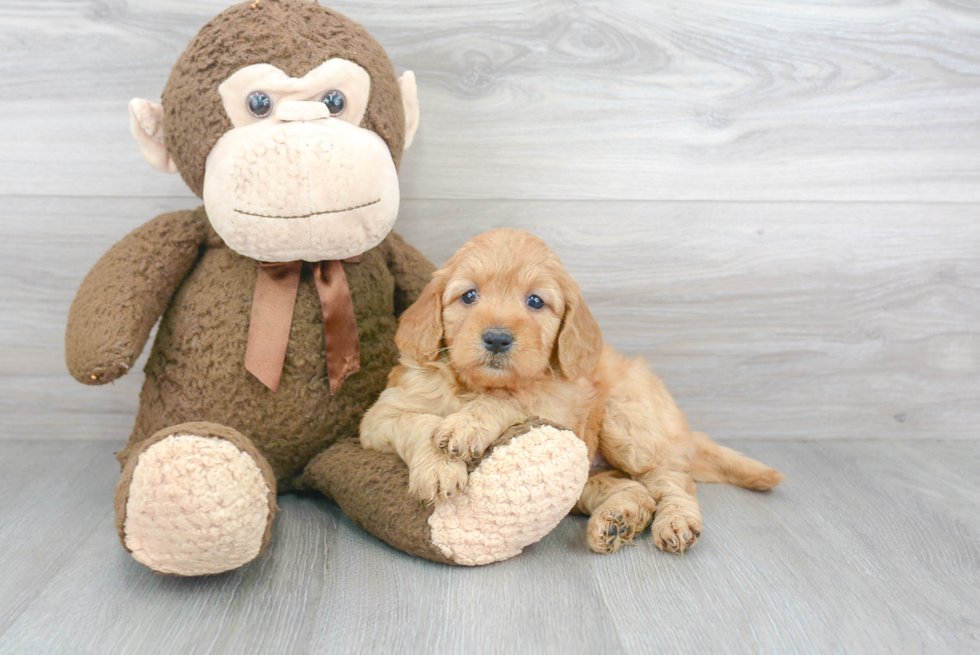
470, 297
335, 102
534, 302
259, 104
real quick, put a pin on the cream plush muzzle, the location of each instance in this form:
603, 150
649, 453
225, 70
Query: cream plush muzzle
314, 189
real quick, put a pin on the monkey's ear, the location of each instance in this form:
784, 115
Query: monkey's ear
146, 122
410, 102
419, 333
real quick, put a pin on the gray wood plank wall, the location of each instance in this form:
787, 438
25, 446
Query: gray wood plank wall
776, 203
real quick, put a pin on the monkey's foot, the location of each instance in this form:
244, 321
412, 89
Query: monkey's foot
195, 505
516, 495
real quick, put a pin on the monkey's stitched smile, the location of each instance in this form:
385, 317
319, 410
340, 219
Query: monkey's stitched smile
329, 211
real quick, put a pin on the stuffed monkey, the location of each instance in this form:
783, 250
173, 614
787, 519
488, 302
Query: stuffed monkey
279, 301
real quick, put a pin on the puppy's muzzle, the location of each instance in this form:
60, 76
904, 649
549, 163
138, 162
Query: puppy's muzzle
498, 340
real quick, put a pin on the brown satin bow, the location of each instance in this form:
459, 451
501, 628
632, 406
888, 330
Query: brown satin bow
272, 316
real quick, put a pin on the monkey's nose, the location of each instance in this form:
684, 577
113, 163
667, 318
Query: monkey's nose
302, 110
497, 340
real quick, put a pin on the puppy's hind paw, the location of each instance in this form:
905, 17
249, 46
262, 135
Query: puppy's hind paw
675, 532
609, 531
617, 521
437, 478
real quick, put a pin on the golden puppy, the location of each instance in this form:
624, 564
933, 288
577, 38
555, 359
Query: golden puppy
501, 334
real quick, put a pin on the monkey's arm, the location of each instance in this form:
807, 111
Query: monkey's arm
126, 292
411, 270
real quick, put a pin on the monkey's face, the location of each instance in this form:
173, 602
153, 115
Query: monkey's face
297, 177
292, 137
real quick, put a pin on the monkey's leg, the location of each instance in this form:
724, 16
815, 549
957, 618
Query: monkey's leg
620, 509
195, 499
516, 494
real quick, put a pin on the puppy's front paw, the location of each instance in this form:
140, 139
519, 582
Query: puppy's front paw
435, 478
462, 439
675, 530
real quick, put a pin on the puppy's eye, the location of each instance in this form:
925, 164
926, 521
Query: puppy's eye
534, 302
470, 297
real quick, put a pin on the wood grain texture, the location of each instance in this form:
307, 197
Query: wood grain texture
54, 498
766, 320
776, 203
869, 547
558, 99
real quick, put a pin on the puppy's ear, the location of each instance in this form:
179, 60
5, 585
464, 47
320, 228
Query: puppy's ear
419, 332
579, 342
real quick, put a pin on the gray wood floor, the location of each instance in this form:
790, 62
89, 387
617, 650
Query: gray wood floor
870, 547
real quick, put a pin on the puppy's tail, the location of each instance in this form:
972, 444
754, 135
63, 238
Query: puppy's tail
714, 463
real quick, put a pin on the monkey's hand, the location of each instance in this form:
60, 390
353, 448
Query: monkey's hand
126, 292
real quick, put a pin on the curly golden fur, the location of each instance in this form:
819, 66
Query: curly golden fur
502, 334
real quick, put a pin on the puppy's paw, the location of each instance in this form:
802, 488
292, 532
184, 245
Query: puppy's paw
436, 478
611, 529
462, 439
675, 530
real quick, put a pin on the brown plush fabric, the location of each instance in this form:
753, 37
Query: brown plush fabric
293, 35
403, 262
200, 429
126, 291
372, 489
196, 369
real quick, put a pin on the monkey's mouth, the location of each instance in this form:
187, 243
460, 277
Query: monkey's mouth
328, 211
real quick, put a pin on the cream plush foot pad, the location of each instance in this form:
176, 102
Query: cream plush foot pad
197, 506
516, 496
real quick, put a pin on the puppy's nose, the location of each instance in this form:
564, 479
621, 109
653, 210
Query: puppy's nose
497, 340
